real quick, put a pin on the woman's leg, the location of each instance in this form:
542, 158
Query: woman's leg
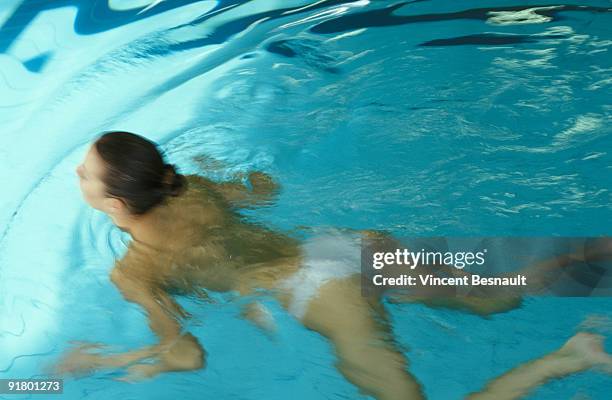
258, 314
486, 300
359, 330
581, 352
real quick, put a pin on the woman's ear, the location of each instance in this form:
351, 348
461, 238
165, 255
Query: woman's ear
115, 205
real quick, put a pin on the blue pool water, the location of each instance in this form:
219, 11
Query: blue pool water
416, 117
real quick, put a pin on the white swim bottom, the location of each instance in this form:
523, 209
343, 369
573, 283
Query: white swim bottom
332, 255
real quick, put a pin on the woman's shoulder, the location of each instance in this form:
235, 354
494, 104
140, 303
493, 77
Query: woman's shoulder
199, 205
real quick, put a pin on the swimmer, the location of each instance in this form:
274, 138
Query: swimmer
188, 235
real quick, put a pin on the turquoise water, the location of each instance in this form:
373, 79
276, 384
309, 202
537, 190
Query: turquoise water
420, 118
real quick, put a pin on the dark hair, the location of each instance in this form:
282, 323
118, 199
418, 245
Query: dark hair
136, 171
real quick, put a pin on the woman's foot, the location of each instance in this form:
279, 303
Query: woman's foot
598, 249
587, 349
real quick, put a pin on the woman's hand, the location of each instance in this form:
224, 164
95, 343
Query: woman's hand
180, 354
79, 361
183, 354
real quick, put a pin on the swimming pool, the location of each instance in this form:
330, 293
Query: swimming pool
420, 118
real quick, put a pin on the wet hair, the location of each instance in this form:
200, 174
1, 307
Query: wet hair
136, 172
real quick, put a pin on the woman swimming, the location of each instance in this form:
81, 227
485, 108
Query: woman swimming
188, 235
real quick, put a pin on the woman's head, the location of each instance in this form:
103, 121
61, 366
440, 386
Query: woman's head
124, 172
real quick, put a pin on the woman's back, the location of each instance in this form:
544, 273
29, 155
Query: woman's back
200, 239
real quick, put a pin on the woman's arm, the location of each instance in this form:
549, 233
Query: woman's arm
236, 193
136, 290
174, 352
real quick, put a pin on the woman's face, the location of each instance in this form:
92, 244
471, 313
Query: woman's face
90, 172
